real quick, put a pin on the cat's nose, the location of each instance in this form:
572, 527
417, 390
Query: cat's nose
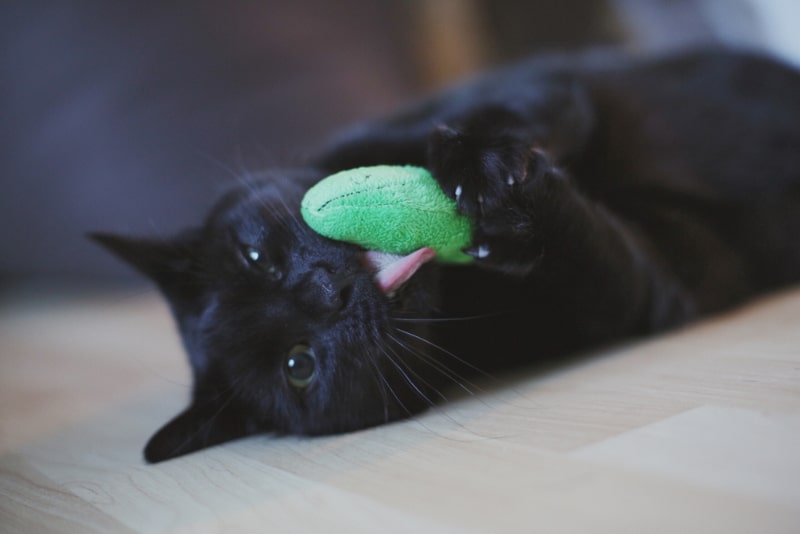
327, 289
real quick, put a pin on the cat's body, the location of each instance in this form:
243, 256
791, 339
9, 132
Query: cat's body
612, 200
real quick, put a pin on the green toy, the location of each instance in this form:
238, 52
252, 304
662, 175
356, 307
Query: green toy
391, 209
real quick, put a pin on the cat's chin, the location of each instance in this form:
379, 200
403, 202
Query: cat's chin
394, 270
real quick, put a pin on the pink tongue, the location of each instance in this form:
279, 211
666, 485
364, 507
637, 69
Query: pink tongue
392, 270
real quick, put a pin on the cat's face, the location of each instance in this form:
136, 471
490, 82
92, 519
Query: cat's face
286, 331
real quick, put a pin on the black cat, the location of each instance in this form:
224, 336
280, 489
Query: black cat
613, 198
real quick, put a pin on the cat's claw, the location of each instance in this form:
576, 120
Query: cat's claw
480, 252
458, 192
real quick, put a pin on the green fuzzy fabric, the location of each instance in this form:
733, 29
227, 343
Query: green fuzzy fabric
388, 208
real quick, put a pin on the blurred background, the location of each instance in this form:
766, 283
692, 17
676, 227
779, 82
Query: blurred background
132, 116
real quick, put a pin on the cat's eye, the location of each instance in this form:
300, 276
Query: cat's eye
259, 260
253, 254
301, 366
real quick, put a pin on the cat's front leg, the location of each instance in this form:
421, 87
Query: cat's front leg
492, 166
533, 221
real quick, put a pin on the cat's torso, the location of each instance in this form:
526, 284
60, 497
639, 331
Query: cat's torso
611, 199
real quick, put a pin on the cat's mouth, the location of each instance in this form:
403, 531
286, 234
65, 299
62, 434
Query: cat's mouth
394, 270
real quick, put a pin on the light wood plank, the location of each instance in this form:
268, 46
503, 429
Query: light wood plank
697, 431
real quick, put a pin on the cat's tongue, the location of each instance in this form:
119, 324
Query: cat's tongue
393, 270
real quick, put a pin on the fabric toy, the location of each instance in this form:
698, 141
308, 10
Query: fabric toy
390, 209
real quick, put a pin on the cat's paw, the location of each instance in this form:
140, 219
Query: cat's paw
482, 160
491, 173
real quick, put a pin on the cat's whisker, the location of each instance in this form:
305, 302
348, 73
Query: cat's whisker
409, 368
279, 215
387, 387
230, 171
442, 412
405, 376
411, 383
297, 224
252, 183
380, 381
424, 320
463, 382
446, 352
440, 367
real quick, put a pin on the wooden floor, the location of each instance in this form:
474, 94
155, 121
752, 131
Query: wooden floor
698, 431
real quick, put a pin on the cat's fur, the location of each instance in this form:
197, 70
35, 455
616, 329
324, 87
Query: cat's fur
612, 199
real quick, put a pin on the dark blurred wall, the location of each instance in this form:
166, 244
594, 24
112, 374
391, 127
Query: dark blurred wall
132, 116
129, 116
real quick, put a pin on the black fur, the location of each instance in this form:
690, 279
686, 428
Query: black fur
613, 199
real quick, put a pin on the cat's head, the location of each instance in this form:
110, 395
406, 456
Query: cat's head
287, 332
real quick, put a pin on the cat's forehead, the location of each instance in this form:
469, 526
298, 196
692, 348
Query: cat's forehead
256, 210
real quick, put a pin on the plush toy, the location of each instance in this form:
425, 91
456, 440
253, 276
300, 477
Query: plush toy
392, 209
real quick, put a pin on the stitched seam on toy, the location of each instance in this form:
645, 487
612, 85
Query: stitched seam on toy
360, 191
322, 207
390, 205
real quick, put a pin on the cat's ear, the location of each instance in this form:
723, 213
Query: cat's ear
161, 260
173, 264
197, 427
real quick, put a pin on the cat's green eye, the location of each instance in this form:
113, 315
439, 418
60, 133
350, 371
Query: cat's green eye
301, 366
